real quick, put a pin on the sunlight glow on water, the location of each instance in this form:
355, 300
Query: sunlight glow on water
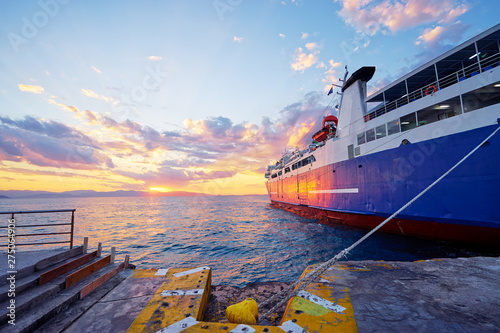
242, 238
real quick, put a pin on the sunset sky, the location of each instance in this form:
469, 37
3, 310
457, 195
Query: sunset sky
193, 95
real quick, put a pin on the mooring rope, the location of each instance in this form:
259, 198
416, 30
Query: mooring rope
285, 294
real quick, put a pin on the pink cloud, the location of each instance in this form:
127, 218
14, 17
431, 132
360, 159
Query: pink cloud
371, 16
208, 149
49, 143
440, 35
302, 60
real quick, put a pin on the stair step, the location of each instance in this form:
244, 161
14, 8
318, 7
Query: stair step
87, 271
22, 272
39, 315
66, 318
28, 300
69, 266
37, 294
54, 260
24, 283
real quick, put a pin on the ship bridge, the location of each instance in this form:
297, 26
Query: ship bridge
477, 55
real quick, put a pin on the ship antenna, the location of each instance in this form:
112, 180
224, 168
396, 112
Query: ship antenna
341, 96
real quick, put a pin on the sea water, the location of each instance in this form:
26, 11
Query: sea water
242, 238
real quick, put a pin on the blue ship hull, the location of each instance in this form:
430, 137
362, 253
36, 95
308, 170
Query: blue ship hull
464, 206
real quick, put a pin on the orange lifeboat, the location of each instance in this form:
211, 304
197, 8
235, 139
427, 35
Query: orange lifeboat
329, 126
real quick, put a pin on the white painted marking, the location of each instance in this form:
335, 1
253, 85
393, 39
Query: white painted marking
194, 270
273, 192
181, 325
321, 301
161, 272
242, 328
339, 190
291, 327
323, 281
182, 292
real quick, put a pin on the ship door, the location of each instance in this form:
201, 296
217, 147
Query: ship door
303, 191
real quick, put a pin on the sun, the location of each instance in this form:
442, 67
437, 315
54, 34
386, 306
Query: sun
158, 189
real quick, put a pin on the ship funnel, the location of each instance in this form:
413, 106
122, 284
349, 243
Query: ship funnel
354, 101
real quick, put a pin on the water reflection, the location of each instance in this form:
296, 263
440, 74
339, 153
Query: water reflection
243, 239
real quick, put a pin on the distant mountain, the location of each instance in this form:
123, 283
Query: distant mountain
13, 194
174, 194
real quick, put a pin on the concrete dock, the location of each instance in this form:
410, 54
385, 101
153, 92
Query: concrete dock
445, 295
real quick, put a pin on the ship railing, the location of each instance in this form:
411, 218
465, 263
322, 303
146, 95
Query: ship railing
484, 65
38, 233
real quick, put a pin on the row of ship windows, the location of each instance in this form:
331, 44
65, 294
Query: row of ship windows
471, 101
297, 165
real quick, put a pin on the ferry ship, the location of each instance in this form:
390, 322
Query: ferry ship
380, 151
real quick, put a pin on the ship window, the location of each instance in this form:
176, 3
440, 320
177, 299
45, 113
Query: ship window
443, 110
287, 169
361, 138
312, 158
370, 135
294, 166
279, 173
408, 122
380, 131
482, 97
274, 175
393, 127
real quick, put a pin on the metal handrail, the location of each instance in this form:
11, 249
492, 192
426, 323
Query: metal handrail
71, 232
446, 81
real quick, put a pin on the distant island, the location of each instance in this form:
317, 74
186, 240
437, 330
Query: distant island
16, 194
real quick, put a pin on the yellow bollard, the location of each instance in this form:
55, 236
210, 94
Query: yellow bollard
246, 312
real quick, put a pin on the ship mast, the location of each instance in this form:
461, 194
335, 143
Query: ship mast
341, 96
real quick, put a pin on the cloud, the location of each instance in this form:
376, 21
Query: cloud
434, 42
218, 148
92, 94
372, 16
441, 35
430, 35
331, 75
304, 35
167, 176
64, 106
154, 58
49, 143
215, 126
282, 35
312, 46
96, 69
203, 151
302, 60
237, 39
30, 88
